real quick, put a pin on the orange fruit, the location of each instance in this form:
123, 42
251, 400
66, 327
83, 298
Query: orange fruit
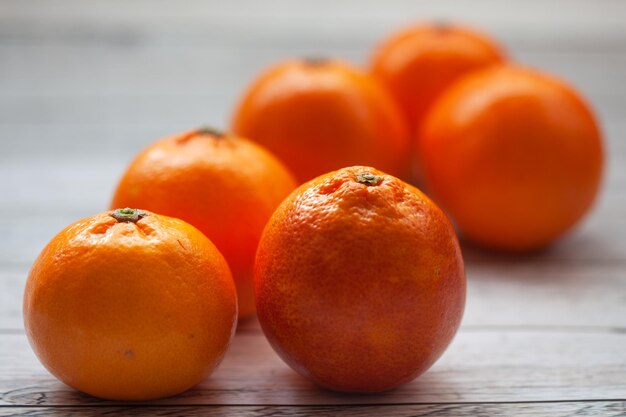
420, 62
321, 115
224, 185
515, 156
130, 305
359, 281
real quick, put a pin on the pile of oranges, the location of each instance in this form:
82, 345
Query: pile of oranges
302, 213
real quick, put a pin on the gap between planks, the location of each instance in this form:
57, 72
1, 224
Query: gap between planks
478, 367
579, 408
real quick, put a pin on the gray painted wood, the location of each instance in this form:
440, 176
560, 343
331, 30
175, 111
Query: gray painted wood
579, 408
559, 24
479, 366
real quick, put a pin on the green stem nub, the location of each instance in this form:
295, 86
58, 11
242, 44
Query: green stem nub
442, 26
368, 178
210, 131
315, 61
128, 215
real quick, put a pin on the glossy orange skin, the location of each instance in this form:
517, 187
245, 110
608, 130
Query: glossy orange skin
129, 311
359, 288
515, 156
318, 116
420, 62
226, 186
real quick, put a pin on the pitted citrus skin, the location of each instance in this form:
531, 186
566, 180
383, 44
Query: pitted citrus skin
130, 307
359, 281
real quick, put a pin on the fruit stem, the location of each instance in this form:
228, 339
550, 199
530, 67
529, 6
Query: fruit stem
128, 215
442, 26
368, 178
315, 61
210, 131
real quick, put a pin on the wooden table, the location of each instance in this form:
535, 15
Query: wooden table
84, 86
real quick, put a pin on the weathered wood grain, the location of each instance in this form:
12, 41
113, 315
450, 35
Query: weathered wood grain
480, 366
578, 408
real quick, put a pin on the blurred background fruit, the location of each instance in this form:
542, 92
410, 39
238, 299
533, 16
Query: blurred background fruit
319, 115
226, 186
418, 63
130, 305
514, 155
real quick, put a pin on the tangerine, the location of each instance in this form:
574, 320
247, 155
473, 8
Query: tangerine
514, 155
359, 281
321, 115
130, 305
226, 186
420, 62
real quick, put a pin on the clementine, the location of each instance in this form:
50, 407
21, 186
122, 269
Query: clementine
130, 305
419, 63
320, 115
514, 155
359, 281
224, 185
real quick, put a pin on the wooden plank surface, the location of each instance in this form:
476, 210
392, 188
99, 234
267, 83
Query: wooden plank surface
83, 87
480, 366
575, 408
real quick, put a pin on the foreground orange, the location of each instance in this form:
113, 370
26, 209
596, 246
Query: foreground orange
130, 305
359, 281
226, 186
420, 62
514, 156
321, 115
